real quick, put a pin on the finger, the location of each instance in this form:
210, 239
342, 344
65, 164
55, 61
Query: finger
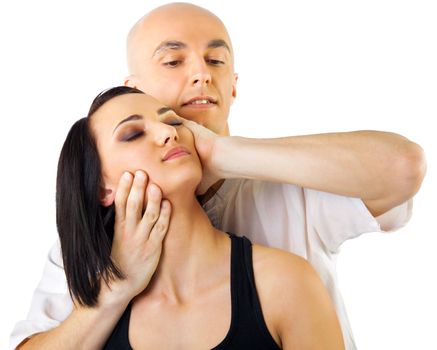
123, 189
191, 125
134, 205
152, 211
185, 121
199, 130
162, 224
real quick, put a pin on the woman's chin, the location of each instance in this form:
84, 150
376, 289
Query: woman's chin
181, 184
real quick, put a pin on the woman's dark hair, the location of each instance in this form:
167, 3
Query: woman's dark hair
85, 227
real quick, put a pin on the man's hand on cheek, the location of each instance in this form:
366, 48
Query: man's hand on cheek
204, 139
207, 146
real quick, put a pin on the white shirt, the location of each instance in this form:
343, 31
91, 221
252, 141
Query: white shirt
309, 223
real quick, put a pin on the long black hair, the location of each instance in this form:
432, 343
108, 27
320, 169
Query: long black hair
85, 227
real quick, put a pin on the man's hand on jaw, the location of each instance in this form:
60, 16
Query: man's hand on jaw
207, 144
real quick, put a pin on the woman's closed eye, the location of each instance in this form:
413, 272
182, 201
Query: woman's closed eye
131, 135
173, 122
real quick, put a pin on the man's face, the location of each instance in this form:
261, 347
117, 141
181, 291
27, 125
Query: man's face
184, 59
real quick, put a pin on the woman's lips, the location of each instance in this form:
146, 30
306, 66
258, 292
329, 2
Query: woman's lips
175, 153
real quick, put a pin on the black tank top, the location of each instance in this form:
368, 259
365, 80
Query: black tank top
248, 329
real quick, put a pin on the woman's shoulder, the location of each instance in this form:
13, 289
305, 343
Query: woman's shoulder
287, 282
280, 279
281, 273
279, 266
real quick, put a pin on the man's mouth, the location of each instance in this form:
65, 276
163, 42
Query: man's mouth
200, 101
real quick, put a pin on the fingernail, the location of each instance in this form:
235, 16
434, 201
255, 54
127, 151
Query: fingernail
153, 190
139, 175
126, 176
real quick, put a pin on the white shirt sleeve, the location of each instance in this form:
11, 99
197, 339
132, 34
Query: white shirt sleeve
51, 301
337, 218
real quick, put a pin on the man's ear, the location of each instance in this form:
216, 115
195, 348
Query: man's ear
234, 87
107, 196
131, 81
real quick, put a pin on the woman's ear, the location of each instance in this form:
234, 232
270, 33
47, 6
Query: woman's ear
107, 196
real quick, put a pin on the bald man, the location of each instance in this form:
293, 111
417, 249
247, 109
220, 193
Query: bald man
305, 194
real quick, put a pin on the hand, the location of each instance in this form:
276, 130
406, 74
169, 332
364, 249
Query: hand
206, 145
138, 237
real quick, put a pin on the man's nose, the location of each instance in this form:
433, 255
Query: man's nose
200, 74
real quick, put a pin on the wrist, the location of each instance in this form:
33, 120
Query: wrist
114, 296
226, 156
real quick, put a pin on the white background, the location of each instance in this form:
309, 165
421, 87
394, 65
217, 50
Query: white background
304, 67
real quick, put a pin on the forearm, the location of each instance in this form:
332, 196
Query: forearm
364, 164
86, 328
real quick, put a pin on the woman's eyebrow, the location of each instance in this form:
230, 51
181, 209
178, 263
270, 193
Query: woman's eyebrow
128, 119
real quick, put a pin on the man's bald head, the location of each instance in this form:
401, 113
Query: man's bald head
175, 15
182, 55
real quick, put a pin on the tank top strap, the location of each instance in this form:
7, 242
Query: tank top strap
247, 309
248, 329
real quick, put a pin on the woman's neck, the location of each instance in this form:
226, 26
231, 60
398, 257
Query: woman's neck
193, 251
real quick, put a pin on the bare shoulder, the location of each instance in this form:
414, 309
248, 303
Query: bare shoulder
275, 268
280, 279
296, 306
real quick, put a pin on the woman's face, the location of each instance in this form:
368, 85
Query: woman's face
136, 132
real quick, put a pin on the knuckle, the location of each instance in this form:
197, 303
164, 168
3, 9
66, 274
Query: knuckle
150, 249
155, 247
132, 204
151, 216
160, 227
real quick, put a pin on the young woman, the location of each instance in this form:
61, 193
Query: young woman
188, 286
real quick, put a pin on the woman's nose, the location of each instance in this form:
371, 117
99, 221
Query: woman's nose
165, 133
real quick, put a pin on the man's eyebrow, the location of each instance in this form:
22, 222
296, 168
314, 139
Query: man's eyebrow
163, 110
128, 119
213, 44
169, 45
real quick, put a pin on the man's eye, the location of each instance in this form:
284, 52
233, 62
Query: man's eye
132, 136
215, 62
172, 64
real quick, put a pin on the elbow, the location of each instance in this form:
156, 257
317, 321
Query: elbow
411, 170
